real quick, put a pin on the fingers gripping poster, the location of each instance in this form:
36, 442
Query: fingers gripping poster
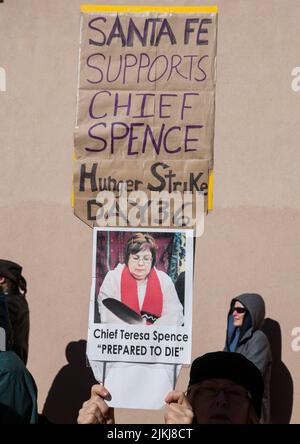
145, 104
140, 314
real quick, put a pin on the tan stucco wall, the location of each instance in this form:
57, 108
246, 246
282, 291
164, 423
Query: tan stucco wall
251, 240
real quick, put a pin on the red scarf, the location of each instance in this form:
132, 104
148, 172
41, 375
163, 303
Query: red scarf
153, 301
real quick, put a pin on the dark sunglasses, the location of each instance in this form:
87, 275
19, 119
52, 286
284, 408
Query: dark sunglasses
238, 309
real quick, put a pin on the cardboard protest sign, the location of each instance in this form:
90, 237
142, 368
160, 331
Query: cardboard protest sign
99, 182
140, 316
146, 95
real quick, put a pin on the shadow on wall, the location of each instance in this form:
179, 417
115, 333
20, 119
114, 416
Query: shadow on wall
281, 389
71, 386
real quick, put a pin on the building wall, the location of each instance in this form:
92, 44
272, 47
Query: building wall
252, 238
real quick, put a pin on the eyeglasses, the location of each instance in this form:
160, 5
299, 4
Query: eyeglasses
137, 259
234, 394
238, 309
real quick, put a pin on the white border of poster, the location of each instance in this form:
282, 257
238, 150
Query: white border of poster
120, 341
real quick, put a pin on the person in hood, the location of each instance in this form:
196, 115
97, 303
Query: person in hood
244, 335
18, 391
13, 287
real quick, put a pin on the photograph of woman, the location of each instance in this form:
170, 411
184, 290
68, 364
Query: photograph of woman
139, 277
149, 292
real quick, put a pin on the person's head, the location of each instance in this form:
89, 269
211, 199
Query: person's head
238, 312
225, 388
11, 279
140, 255
13, 287
249, 310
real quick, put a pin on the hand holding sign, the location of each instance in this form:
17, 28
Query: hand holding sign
95, 410
179, 410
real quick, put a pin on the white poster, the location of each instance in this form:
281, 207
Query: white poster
140, 317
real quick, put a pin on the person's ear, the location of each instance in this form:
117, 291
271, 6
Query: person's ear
2, 280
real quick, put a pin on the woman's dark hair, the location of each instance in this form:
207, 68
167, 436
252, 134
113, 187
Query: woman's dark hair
139, 242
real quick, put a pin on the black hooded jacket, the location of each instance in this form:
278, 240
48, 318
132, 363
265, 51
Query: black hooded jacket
253, 343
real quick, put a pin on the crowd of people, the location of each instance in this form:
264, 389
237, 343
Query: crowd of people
230, 386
